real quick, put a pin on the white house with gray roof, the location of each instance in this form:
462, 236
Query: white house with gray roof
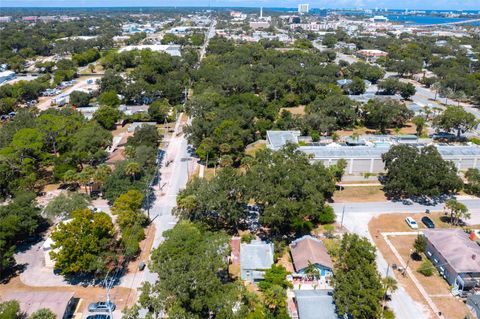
455, 255
255, 258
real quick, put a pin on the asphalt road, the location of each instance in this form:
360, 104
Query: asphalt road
356, 217
173, 178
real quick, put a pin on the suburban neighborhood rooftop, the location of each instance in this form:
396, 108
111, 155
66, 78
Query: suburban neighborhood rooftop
455, 246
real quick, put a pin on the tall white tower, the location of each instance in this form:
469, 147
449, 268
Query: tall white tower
261, 12
303, 8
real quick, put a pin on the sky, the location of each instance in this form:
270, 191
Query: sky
390, 4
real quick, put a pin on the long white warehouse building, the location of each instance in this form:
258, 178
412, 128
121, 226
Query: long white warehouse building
368, 159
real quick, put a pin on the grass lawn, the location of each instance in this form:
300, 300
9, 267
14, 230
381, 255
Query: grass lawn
253, 148
297, 110
359, 194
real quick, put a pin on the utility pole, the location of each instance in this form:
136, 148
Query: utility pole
343, 214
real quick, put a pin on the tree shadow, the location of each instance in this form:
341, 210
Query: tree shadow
12, 272
416, 256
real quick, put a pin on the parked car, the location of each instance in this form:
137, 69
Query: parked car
443, 136
101, 307
411, 222
428, 222
99, 316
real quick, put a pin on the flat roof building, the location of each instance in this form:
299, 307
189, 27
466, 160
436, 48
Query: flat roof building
62, 304
171, 49
368, 158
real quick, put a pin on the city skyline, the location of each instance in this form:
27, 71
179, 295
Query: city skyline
365, 4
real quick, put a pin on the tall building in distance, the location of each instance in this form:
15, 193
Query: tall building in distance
303, 8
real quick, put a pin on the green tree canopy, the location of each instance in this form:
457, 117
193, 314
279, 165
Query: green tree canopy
43, 313
10, 310
79, 99
358, 289
85, 244
159, 110
455, 118
107, 116
200, 292
382, 115
65, 203
109, 98
418, 172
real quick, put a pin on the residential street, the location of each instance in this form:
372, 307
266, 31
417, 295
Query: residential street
173, 178
358, 215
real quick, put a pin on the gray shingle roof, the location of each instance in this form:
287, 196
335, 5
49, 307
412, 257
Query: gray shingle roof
456, 247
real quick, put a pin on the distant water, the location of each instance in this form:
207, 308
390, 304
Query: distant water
419, 20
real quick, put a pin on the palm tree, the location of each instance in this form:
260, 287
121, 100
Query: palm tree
132, 169
129, 151
101, 173
69, 176
389, 285
457, 211
83, 179
312, 271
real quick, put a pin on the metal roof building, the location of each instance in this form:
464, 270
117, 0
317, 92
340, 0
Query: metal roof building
277, 139
255, 258
368, 159
315, 304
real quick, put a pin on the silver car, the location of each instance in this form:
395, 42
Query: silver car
101, 306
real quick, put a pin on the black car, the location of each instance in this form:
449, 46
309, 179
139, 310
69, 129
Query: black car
428, 222
99, 316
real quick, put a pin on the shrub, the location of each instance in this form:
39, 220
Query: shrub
247, 238
426, 268
327, 216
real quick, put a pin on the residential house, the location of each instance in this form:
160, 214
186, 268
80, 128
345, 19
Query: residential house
62, 304
309, 251
255, 258
133, 127
315, 304
455, 255
278, 139
6, 76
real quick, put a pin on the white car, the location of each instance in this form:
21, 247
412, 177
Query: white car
411, 222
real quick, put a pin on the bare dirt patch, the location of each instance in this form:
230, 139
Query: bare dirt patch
359, 194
